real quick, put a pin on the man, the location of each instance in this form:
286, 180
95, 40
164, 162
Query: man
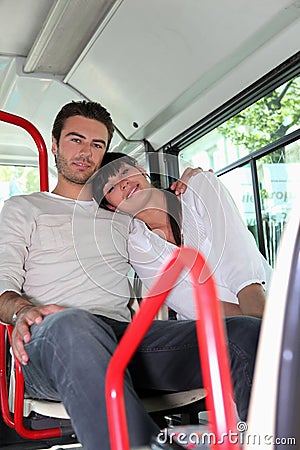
63, 285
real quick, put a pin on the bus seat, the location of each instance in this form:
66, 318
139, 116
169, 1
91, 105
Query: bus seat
44, 419
140, 292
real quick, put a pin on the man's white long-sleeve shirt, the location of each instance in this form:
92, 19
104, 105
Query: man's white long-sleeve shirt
58, 250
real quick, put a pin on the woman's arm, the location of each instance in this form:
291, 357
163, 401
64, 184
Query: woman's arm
233, 256
231, 309
252, 300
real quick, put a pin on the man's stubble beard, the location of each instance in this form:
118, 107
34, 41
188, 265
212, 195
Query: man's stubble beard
64, 169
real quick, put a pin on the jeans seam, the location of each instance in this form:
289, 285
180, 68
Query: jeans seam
242, 355
166, 349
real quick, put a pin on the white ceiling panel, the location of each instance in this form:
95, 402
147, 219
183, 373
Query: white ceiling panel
158, 65
21, 21
155, 57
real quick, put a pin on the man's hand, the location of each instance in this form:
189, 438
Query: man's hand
180, 185
28, 316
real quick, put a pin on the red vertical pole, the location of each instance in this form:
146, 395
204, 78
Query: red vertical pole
39, 141
212, 347
3, 379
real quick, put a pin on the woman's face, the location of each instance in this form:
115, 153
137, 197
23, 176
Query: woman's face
128, 190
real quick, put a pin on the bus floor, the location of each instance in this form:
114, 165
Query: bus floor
10, 440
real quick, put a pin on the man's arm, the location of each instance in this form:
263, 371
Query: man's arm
11, 305
179, 186
18, 311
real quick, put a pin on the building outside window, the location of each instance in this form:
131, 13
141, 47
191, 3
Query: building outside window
270, 120
16, 180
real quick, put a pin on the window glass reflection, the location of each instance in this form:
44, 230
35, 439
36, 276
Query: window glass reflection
279, 183
16, 180
269, 119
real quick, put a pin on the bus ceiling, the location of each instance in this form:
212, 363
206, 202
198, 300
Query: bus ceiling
158, 66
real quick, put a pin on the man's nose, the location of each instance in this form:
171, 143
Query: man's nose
86, 149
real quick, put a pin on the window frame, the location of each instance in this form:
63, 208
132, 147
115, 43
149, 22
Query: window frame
268, 83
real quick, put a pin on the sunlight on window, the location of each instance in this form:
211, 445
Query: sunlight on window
272, 117
16, 180
268, 120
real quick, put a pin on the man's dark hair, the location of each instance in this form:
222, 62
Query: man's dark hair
90, 110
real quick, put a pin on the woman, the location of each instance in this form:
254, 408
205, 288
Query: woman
205, 217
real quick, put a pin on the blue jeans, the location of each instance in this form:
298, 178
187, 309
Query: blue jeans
70, 350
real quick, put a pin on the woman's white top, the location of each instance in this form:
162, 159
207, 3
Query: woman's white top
212, 224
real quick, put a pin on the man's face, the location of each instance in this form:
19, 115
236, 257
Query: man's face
80, 150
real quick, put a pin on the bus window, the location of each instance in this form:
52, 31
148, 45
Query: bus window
16, 180
267, 120
279, 183
262, 138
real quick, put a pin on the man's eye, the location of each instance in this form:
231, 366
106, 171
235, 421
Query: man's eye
76, 140
110, 189
125, 171
99, 146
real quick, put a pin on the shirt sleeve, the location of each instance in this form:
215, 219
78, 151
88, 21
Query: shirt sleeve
147, 254
14, 244
233, 255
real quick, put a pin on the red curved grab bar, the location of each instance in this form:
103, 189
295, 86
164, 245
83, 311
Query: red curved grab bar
3, 382
17, 421
39, 141
212, 347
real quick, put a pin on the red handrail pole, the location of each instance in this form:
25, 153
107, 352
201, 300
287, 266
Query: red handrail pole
39, 141
3, 381
19, 391
19, 406
26, 433
212, 348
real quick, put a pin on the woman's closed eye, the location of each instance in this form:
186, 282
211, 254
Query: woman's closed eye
110, 189
120, 178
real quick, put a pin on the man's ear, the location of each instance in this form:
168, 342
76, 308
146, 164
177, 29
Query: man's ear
54, 146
